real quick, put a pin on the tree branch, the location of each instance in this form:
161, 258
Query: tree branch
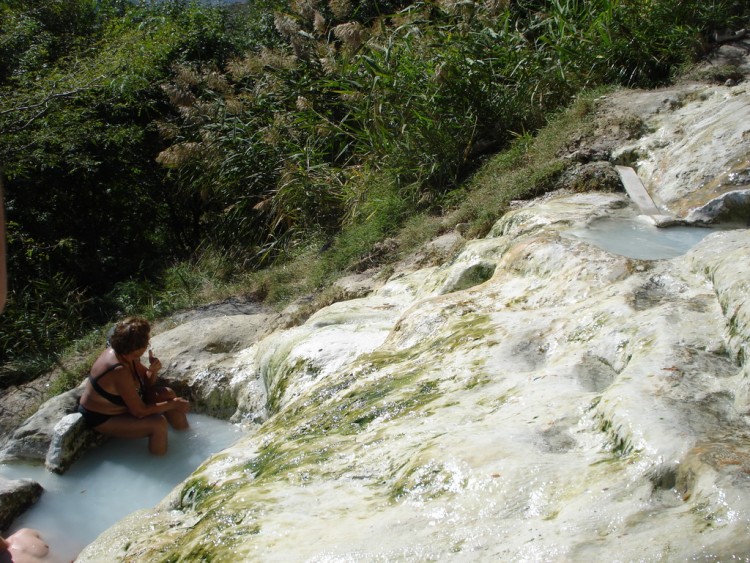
44, 104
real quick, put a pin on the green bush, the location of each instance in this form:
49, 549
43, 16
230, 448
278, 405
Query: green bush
147, 145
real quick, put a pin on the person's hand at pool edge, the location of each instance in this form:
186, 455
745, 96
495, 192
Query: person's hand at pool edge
24, 546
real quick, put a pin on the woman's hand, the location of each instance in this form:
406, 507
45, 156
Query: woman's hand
158, 394
154, 364
25, 545
180, 405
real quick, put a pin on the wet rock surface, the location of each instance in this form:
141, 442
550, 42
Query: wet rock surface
564, 388
569, 389
16, 496
692, 147
31, 440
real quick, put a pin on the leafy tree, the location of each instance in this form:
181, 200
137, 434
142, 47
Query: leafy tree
135, 135
87, 203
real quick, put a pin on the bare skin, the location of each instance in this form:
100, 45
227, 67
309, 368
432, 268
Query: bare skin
24, 546
137, 419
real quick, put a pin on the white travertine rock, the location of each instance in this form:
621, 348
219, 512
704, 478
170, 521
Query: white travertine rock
696, 163
533, 398
574, 405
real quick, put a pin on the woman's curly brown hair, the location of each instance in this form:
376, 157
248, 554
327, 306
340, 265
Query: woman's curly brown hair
130, 334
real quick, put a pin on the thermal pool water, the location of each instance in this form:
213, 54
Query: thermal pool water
113, 480
636, 238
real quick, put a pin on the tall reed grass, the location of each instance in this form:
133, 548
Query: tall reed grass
420, 95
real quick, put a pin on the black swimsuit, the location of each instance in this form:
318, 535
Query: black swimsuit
93, 418
114, 399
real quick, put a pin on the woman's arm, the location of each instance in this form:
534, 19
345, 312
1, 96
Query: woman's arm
148, 374
125, 386
154, 365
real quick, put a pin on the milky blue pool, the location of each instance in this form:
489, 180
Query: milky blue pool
635, 238
112, 481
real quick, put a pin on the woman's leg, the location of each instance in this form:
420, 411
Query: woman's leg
177, 420
127, 426
159, 393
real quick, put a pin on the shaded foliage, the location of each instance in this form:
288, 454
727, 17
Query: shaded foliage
421, 93
134, 136
87, 203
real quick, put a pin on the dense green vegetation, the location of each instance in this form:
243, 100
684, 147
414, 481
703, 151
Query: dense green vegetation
158, 153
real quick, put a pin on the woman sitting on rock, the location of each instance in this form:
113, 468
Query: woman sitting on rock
121, 399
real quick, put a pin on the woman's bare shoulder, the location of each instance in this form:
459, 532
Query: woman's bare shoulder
107, 361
